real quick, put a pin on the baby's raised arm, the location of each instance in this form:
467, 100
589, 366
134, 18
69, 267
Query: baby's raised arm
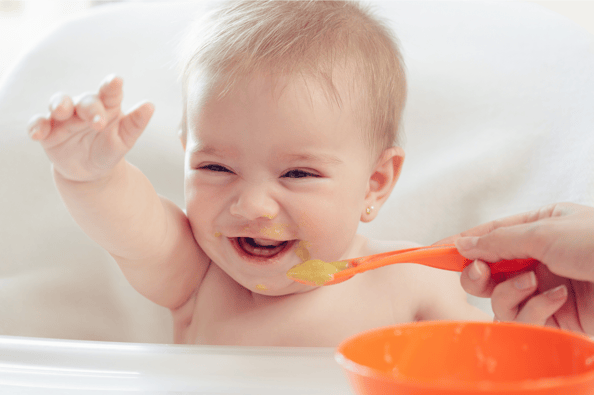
111, 200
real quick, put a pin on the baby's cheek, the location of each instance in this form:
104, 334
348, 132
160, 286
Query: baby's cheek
330, 247
302, 250
327, 232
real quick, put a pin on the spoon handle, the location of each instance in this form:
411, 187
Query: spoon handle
444, 257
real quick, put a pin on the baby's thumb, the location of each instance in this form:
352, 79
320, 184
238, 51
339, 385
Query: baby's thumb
134, 123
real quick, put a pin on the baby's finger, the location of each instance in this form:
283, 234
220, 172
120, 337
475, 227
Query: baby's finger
476, 279
90, 109
39, 127
508, 295
61, 107
110, 91
134, 123
539, 308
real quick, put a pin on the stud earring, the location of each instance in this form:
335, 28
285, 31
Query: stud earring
368, 211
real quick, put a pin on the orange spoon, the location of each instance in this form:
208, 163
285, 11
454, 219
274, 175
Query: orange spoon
446, 257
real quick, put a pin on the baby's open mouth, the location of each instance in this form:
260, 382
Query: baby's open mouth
262, 248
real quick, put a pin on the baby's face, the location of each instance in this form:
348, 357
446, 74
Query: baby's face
273, 179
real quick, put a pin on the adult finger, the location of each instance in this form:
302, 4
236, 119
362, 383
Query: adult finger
488, 227
512, 242
476, 279
539, 308
568, 316
509, 295
584, 291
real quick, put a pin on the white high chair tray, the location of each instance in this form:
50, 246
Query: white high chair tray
42, 366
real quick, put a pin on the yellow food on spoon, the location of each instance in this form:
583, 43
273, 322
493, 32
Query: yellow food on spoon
340, 265
316, 271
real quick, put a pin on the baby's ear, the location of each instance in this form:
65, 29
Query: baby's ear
381, 182
182, 137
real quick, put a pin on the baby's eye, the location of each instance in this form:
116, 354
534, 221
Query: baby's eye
299, 174
217, 168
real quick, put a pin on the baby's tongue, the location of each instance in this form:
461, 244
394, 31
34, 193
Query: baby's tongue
266, 242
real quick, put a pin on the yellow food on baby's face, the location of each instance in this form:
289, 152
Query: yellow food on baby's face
316, 271
302, 251
261, 287
274, 231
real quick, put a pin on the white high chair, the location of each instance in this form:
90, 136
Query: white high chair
498, 121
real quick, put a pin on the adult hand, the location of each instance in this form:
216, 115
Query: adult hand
560, 291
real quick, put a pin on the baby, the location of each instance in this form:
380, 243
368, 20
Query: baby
291, 114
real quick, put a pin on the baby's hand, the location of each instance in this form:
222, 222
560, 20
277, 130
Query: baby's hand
87, 137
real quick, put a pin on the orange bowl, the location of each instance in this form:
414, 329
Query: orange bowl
450, 357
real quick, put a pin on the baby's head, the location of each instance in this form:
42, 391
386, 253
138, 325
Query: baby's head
291, 115
318, 41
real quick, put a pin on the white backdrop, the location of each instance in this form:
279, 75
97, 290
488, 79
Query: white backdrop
498, 121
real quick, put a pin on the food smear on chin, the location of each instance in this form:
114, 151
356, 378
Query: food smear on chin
261, 287
217, 234
316, 271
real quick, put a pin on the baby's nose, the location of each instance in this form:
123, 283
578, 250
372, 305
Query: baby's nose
253, 203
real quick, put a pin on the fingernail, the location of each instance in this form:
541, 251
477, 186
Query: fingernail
557, 293
525, 281
55, 104
467, 243
34, 132
475, 271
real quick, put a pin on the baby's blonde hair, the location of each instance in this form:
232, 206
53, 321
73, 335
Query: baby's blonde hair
307, 38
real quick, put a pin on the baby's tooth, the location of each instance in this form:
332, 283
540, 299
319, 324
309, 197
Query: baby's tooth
265, 242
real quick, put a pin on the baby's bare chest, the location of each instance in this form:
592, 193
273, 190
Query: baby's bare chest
228, 314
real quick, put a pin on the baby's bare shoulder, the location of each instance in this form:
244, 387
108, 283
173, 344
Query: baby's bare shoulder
373, 246
431, 293
400, 279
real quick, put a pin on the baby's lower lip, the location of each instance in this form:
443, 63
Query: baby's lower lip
245, 255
